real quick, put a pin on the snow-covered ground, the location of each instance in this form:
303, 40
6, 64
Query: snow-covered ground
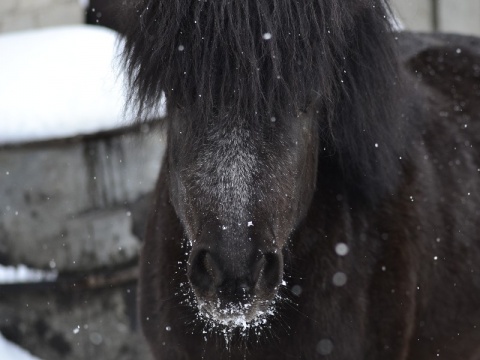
9, 351
60, 82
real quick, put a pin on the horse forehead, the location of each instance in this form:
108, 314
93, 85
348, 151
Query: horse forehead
225, 168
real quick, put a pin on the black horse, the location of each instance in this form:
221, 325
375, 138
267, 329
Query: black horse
320, 195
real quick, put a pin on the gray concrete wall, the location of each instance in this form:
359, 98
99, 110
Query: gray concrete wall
457, 16
30, 14
416, 15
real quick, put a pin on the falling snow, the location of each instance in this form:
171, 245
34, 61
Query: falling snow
341, 249
296, 290
325, 347
9, 351
339, 279
267, 36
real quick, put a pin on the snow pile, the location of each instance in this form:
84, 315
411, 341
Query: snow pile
60, 82
9, 351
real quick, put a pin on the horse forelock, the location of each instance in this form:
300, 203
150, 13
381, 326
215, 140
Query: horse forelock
238, 57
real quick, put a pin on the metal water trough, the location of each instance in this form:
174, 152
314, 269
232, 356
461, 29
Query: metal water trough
77, 206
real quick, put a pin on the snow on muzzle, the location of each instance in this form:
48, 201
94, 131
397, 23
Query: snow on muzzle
236, 287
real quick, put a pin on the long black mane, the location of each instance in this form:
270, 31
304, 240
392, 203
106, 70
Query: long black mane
256, 59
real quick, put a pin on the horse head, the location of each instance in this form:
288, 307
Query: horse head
239, 187
258, 92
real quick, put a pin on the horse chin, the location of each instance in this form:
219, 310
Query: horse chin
236, 316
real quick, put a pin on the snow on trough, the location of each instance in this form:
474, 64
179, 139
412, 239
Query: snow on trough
60, 82
23, 274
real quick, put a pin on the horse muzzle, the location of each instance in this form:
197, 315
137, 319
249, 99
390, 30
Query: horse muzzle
234, 287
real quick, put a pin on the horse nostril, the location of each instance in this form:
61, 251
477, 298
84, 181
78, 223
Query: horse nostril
272, 270
235, 280
258, 268
203, 271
